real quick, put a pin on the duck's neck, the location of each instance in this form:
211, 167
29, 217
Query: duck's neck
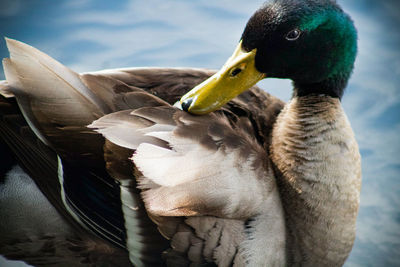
333, 86
318, 168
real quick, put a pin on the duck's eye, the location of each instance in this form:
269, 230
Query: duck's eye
293, 35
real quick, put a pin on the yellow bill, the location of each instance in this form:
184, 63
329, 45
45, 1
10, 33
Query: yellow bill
236, 76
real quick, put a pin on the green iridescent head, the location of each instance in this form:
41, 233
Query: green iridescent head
312, 42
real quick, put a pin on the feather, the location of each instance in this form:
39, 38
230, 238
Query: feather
62, 83
185, 136
5, 89
125, 106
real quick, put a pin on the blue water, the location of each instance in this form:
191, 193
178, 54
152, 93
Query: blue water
89, 35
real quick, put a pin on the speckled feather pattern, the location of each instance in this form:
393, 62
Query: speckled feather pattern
226, 174
319, 174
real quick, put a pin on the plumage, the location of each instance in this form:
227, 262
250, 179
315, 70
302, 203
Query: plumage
133, 178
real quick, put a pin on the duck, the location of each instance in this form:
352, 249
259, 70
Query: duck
183, 166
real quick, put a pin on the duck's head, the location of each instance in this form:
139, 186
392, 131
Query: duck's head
312, 42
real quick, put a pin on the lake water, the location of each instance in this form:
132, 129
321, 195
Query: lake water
88, 35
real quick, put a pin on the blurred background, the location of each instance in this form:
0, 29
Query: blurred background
88, 35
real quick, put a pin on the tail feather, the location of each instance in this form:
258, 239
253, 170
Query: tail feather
14, 82
42, 76
54, 100
5, 89
51, 97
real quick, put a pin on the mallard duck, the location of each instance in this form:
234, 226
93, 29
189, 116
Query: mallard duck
142, 168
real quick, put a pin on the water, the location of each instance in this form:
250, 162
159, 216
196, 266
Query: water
89, 35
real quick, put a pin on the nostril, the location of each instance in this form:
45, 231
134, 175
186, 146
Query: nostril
236, 72
186, 104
